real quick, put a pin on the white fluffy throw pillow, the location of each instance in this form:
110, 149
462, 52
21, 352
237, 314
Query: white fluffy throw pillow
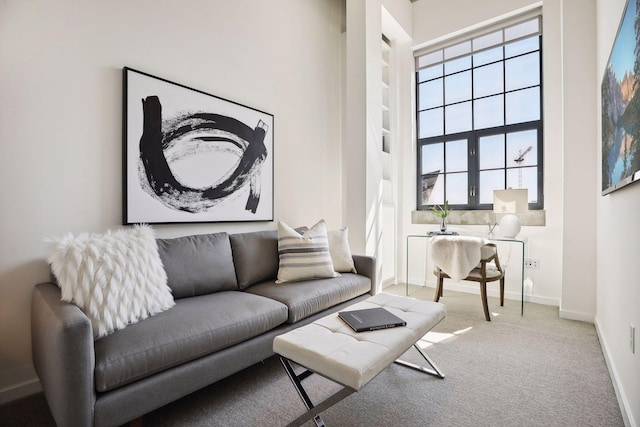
304, 256
116, 278
340, 251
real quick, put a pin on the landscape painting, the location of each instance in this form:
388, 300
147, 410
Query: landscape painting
621, 105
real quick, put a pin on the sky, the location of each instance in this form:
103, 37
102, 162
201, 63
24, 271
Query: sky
622, 56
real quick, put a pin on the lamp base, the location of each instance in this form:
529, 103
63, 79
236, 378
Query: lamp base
510, 225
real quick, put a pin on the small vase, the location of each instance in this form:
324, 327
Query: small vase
443, 225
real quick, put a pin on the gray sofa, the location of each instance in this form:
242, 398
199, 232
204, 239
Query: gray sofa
228, 310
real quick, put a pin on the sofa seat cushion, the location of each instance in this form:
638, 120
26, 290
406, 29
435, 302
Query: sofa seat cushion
193, 328
308, 297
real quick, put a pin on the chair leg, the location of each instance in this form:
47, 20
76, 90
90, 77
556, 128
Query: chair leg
485, 304
438, 294
502, 292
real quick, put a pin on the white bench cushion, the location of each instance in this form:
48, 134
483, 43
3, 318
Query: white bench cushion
330, 348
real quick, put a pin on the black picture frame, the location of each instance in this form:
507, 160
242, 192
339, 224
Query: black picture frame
621, 106
191, 157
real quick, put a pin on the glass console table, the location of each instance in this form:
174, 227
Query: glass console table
521, 241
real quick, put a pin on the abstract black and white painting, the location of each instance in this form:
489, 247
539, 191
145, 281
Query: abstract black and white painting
190, 156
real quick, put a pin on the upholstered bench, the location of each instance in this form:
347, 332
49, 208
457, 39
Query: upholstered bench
332, 349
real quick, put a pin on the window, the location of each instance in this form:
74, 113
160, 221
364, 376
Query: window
479, 118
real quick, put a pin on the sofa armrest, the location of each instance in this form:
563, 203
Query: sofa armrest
63, 356
366, 266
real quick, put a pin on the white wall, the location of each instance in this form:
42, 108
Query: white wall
355, 119
363, 118
400, 80
61, 115
402, 120
618, 233
579, 140
60, 137
432, 20
571, 255
363, 125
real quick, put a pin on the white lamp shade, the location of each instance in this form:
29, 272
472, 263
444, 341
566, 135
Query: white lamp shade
511, 201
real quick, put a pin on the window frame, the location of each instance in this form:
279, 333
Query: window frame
473, 163
472, 136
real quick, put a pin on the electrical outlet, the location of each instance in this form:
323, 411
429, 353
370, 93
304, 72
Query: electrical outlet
632, 339
532, 264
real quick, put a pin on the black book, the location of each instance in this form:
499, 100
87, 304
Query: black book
371, 319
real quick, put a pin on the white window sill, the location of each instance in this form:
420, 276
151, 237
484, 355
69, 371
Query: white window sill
477, 217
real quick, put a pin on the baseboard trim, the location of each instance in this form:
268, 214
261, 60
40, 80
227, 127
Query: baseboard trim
515, 296
19, 391
576, 315
388, 282
623, 402
538, 300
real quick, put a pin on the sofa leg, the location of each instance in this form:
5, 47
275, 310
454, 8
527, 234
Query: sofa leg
136, 423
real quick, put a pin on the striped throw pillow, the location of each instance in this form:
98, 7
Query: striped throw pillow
304, 256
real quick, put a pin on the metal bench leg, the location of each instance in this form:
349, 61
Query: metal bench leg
436, 372
312, 411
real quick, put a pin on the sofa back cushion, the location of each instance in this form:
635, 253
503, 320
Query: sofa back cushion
255, 255
198, 265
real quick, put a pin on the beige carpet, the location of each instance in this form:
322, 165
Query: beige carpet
535, 370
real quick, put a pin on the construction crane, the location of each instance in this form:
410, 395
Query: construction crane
519, 161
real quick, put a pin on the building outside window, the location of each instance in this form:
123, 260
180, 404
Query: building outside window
479, 118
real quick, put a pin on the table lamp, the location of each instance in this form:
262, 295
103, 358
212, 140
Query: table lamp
510, 202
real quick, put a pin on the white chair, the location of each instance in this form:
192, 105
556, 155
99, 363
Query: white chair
487, 270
